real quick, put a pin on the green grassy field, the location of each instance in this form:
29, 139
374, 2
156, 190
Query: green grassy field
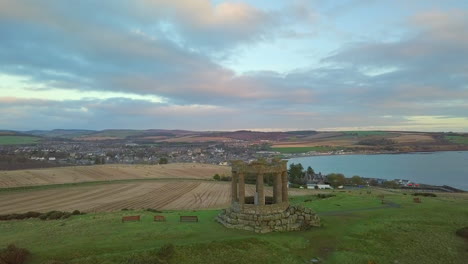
458, 139
413, 233
288, 150
15, 140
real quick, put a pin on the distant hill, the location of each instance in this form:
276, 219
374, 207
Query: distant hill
286, 141
60, 133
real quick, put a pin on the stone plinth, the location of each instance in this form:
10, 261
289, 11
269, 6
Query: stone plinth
277, 219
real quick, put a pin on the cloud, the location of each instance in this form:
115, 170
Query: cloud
171, 50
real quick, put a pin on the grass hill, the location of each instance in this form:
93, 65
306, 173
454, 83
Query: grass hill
356, 228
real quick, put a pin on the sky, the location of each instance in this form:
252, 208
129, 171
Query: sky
227, 65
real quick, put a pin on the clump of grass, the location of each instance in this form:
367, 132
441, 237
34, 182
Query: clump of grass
14, 255
425, 194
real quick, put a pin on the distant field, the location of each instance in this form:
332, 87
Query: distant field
413, 138
158, 194
78, 174
110, 134
304, 149
14, 140
189, 139
458, 139
366, 133
356, 229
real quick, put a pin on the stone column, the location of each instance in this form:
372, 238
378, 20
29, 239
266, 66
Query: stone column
260, 189
241, 188
277, 189
234, 187
284, 186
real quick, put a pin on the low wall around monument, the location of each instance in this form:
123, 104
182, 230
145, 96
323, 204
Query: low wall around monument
293, 218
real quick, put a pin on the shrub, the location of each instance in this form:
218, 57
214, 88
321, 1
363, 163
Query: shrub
124, 209
166, 251
43, 216
216, 177
66, 215
294, 185
51, 215
425, 194
55, 215
76, 212
32, 214
462, 232
13, 217
13, 255
225, 178
324, 195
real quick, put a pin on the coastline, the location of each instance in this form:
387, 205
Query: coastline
319, 154
435, 170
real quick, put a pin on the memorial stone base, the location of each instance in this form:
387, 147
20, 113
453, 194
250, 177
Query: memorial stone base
268, 218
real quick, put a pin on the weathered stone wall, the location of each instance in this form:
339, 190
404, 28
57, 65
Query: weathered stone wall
294, 218
259, 209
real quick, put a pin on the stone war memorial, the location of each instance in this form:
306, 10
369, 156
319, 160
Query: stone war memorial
260, 213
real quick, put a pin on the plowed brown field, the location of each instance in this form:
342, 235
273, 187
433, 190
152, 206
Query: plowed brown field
158, 194
109, 173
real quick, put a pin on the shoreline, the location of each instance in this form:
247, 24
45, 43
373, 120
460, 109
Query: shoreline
304, 155
454, 175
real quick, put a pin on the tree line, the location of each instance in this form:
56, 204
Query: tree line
298, 177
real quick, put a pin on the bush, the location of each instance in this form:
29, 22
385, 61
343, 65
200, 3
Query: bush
51, 215
32, 214
324, 195
13, 216
226, 178
166, 251
462, 232
13, 255
76, 212
216, 177
294, 185
55, 215
66, 215
43, 216
425, 194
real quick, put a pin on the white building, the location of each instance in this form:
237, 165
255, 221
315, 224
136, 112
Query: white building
318, 186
